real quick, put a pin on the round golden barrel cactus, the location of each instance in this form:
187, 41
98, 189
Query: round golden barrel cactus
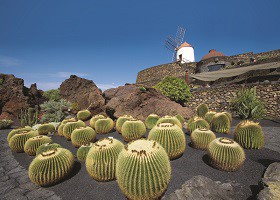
133, 129
201, 110
45, 129
94, 119
220, 123
103, 126
82, 136
201, 138
120, 121
17, 142
69, 127
84, 115
209, 116
180, 118
18, 130
197, 122
32, 144
170, 119
83, 151
47, 147
151, 121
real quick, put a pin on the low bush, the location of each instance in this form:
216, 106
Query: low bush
52, 95
5, 123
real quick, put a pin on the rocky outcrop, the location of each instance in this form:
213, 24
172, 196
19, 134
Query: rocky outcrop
14, 96
84, 93
130, 100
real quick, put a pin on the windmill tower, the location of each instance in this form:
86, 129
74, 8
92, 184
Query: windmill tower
182, 52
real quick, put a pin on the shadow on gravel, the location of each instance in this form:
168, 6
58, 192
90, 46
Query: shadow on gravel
267, 162
255, 189
206, 160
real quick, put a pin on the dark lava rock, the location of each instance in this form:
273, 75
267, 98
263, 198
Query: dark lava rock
14, 96
201, 187
130, 100
84, 92
270, 183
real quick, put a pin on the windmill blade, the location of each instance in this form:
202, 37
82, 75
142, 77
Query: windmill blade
174, 59
180, 35
172, 41
169, 48
170, 44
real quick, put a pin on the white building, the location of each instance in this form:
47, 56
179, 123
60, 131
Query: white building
185, 53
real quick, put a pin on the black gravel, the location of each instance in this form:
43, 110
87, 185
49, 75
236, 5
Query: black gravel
79, 185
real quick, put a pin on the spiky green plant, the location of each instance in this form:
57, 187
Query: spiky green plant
103, 126
18, 130
83, 151
70, 127
32, 144
197, 122
51, 166
201, 110
200, 138
226, 154
133, 129
143, 170
82, 136
120, 122
169, 119
17, 142
220, 123
45, 129
84, 115
249, 135
94, 119
151, 121
228, 115
47, 147
209, 116
60, 129
65, 121
102, 158
171, 137
29, 117
180, 118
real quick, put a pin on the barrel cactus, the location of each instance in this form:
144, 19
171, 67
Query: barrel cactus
45, 129
120, 122
197, 122
70, 127
17, 142
249, 135
133, 129
94, 119
51, 166
201, 110
226, 154
228, 115
18, 130
143, 170
60, 129
171, 138
200, 138
32, 144
102, 158
220, 123
65, 121
209, 116
170, 119
151, 120
83, 151
84, 115
82, 135
180, 118
47, 147
103, 126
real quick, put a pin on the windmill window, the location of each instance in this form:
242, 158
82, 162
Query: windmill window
180, 57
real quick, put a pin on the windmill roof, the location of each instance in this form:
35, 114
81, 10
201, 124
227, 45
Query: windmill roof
212, 53
185, 44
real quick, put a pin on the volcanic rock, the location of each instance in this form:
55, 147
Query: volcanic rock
130, 100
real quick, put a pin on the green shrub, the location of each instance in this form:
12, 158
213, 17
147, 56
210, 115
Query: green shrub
247, 105
142, 89
5, 123
52, 95
174, 88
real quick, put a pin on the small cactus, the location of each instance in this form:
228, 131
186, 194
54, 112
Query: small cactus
47, 147
151, 121
65, 121
228, 115
84, 115
103, 126
102, 158
197, 122
70, 127
171, 138
82, 135
143, 170
209, 116
32, 144
220, 123
201, 110
83, 152
120, 122
18, 130
133, 129
45, 129
226, 154
180, 118
170, 119
200, 138
94, 119
17, 142
51, 166
60, 129
249, 135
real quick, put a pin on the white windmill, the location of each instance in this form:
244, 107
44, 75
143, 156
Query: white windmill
182, 52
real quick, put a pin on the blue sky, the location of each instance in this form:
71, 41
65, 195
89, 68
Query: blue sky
44, 41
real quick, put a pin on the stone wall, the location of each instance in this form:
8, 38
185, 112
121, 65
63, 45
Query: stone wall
218, 97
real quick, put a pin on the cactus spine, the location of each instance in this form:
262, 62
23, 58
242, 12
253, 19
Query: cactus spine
143, 170
201, 110
200, 138
84, 115
17, 142
83, 135
51, 166
47, 147
220, 123
169, 119
151, 121
70, 127
102, 157
32, 144
15, 131
197, 122
226, 154
45, 129
249, 135
103, 126
120, 121
133, 129
171, 138
209, 116
94, 119
83, 152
